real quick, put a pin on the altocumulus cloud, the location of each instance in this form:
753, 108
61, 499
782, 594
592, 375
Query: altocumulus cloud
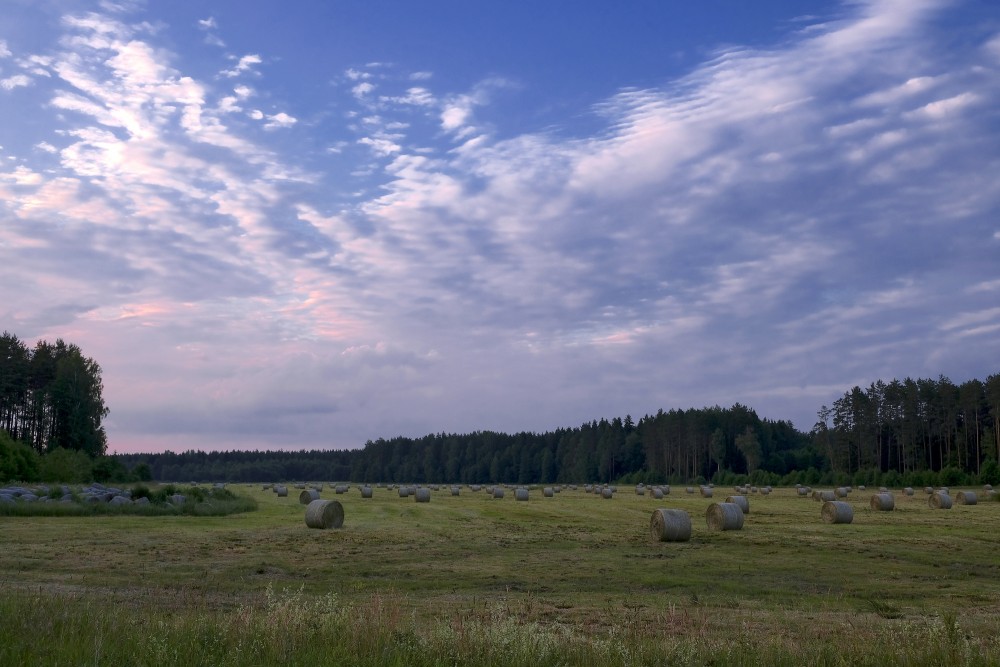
773, 227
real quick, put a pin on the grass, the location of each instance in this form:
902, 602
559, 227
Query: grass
198, 502
573, 579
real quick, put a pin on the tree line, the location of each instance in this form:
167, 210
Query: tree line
51, 396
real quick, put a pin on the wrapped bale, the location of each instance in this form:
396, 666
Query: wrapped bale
521, 494
966, 498
928, 490
724, 516
548, 492
742, 501
658, 494
824, 496
422, 495
842, 492
689, 489
908, 491
308, 495
607, 494
366, 492
882, 502
120, 500
498, 492
325, 514
837, 511
670, 525
640, 490
281, 491
939, 501
455, 490
706, 492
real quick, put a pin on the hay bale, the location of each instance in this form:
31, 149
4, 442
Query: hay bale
670, 525
987, 487
928, 490
742, 501
640, 490
521, 494
325, 514
120, 500
882, 502
608, 494
966, 498
341, 489
498, 492
837, 511
300, 485
689, 489
548, 492
862, 488
658, 494
802, 491
455, 490
883, 489
939, 501
724, 516
422, 495
281, 491
706, 492
308, 495
842, 491
404, 492
824, 496
908, 491
366, 492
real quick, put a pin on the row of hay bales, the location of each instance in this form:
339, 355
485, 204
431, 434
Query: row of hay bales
674, 525
94, 494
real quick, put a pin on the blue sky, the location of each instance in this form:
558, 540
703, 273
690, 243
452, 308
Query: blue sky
310, 224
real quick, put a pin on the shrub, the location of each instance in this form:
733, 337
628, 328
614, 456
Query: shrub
18, 461
71, 466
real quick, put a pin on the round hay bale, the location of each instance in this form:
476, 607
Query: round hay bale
724, 516
455, 490
300, 485
658, 494
366, 492
882, 502
706, 492
325, 514
987, 487
548, 492
966, 498
308, 495
404, 492
281, 491
607, 494
521, 494
939, 501
928, 490
742, 501
842, 491
883, 489
640, 490
908, 491
824, 496
670, 525
341, 489
422, 495
802, 491
837, 511
666, 489
945, 489
120, 500
266, 487
689, 489
498, 492
862, 488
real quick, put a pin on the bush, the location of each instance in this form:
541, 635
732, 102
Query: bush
18, 461
70, 466
952, 476
990, 472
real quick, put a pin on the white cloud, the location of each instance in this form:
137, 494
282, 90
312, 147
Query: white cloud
256, 114
4, 49
243, 92
46, 147
208, 24
16, 81
421, 76
279, 120
362, 89
245, 64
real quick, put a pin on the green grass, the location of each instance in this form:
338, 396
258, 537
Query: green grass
198, 502
573, 579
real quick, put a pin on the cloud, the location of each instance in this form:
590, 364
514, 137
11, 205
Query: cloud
16, 81
4, 49
245, 64
362, 89
279, 120
208, 24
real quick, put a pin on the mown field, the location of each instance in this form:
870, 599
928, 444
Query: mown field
573, 579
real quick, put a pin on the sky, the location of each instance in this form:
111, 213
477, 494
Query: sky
305, 225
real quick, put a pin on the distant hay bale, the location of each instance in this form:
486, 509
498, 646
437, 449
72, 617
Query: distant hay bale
883, 489
987, 487
266, 487
945, 489
666, 489
766, 491
966, 498
404, 492
341, 488
908, 491
422, 495
706, 492
325, 514
498, 492
308, 495
521, 494
300, 485
120, 500
281, 491
939, 501
658, 493
837, 511
670, 525
455, 490
640, 490
588, 488
724, 516
928, 490
824, 496
548, 492
607, 493
882, 502
366, 492
689, 489
842, 491
742, 501
802, 491
862, 488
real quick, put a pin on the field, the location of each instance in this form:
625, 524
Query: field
573, 579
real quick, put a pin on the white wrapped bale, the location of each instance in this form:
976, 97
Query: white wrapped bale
939, 500
308, 495
882, 502
521, 494
742, 501
548, 492
966, 498
724, 516
422, 495
837, 511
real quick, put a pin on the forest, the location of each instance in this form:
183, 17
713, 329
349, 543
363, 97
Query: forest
918, 431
